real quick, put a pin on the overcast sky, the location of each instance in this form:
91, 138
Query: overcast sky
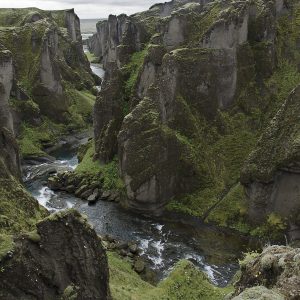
86, 9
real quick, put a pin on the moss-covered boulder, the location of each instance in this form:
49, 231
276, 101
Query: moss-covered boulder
276, 268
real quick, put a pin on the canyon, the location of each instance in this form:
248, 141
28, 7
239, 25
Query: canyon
148, 146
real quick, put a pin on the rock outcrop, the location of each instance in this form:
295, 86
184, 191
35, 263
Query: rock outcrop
52, 64
185, 83
274, 273
62, 259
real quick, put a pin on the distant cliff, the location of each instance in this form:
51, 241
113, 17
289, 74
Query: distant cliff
52, 79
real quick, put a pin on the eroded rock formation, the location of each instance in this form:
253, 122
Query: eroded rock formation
185, 83
60, 257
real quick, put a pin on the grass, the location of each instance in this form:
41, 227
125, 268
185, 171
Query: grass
32, 139
82, 103
185, 282
88, 165
18, 211
93, 168
91, 57
6, 245
133, 69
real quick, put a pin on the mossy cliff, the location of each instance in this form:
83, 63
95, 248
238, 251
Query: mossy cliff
185, 105
41, 257
52, 81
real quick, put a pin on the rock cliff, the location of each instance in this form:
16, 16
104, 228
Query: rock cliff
189, 88
271, 174
59, 257
52, 80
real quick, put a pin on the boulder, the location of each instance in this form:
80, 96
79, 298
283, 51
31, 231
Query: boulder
94, 197
276, 268
81, 190
85, 195
259, 293
54, 183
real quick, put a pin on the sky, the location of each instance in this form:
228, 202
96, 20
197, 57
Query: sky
86, 9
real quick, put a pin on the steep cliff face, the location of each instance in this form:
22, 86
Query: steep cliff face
8, 150
192, 99
157, 159
271, 174
60, 257
53, 81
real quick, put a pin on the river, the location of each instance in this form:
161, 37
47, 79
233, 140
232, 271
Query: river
163, 243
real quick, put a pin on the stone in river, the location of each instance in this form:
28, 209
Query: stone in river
94, 197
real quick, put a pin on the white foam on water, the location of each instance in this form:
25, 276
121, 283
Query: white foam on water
210, 273
96, 69
45, 194
159, 246
69, 204
144, 245
195, 257
159, 227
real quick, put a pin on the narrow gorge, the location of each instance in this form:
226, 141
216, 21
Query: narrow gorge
151, 156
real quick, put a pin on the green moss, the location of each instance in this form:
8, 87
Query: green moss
70, 293
88, 165
108, 172
199, 24
81, 108
27, 108
248, 257
6, 245
274, 227
26, 58
219, 151
33, 236
91, 57
32, 139
188, 282
132, 70
14, 16
111, 176
18, 211
185, 282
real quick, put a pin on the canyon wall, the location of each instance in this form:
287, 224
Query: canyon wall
189, 88
41, 256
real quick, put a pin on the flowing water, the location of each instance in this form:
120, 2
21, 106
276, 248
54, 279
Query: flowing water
163, 243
